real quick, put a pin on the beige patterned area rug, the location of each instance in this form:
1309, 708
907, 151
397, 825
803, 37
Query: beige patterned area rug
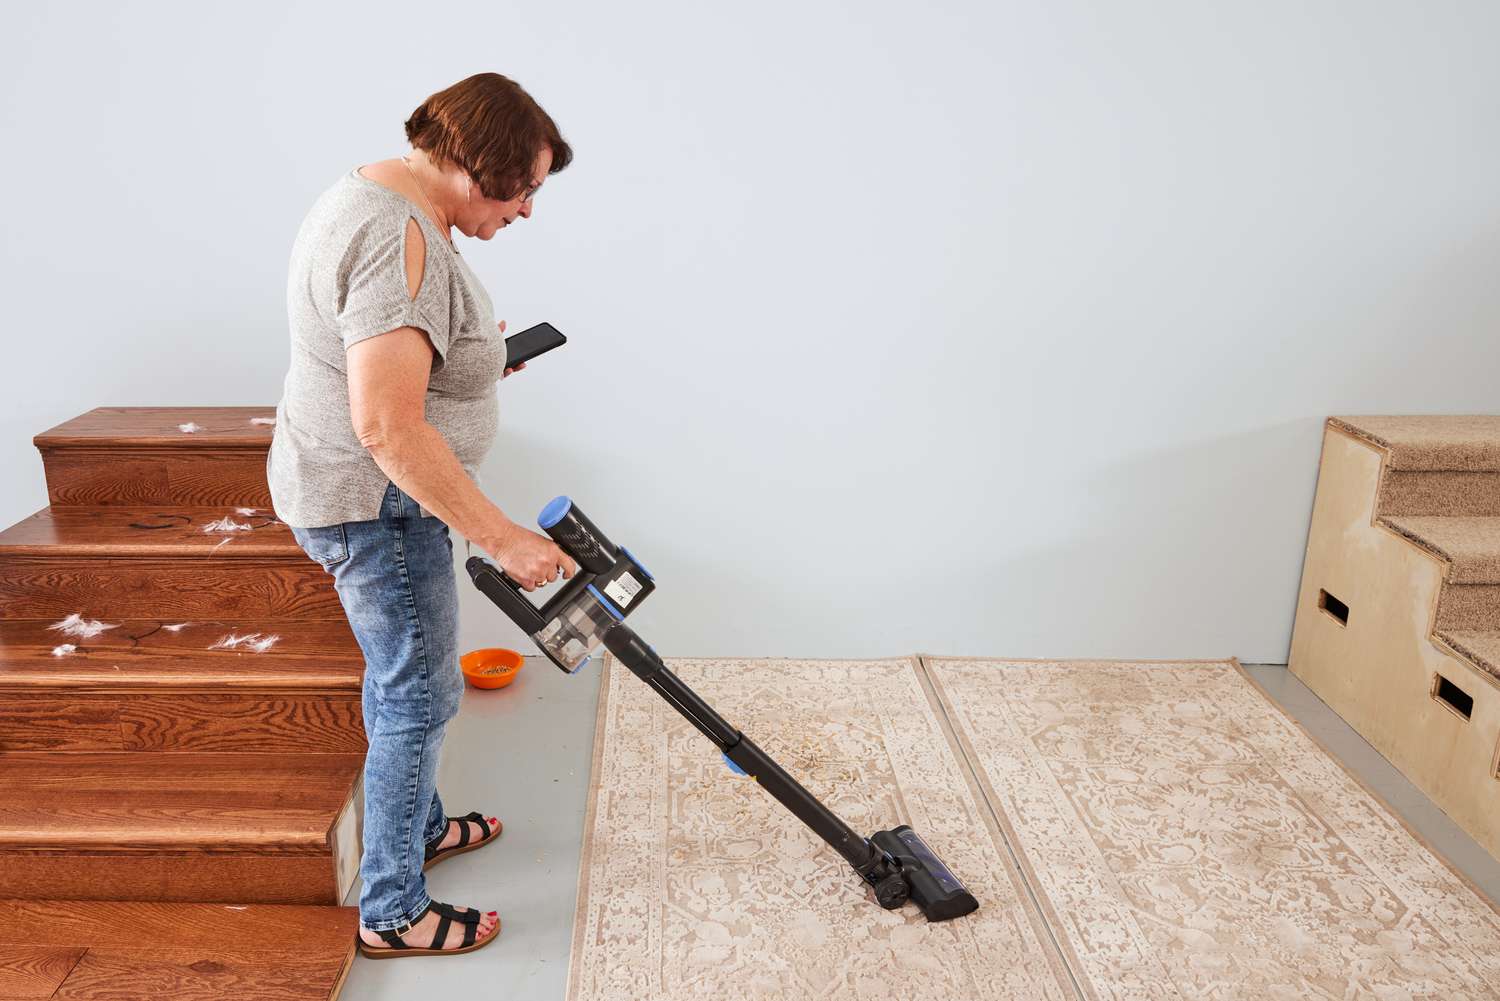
1132, 831
695, 883
1188, 840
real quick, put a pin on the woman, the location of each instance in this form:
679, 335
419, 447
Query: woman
388, 409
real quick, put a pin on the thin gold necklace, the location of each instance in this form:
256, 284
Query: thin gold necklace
423, 188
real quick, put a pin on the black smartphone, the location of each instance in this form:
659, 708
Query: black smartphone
531, 342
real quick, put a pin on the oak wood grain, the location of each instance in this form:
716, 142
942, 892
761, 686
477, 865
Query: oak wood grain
129, 924
305, 725
300, 723
165, 530
283, 803
43, 724
99, 588
160, 426
87, 476
235, 878
34, 971
138, 653
205, 974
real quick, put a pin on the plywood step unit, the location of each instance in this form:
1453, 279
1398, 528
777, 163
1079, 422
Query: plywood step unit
181, 740
1398, 613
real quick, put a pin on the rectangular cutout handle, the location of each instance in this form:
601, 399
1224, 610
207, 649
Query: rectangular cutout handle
1450, 695
1334, 607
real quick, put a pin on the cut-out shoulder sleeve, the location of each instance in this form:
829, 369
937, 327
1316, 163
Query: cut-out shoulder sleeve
374, 293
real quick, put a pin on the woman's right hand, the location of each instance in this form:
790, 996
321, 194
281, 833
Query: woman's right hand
531, 560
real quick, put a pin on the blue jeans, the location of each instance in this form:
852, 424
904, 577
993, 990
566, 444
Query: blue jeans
394, 577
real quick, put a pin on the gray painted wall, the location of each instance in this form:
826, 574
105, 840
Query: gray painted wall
988, 328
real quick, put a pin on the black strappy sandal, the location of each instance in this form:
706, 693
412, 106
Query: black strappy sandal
395, 946
431, 856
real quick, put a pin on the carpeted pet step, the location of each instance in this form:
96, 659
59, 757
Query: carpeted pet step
1431, 441
1483, 648
1435, 465
1470, 545
1398, 610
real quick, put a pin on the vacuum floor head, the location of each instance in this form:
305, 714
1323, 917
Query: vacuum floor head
914, 873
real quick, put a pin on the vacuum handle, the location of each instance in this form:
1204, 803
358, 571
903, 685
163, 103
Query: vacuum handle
505, 593
579, 537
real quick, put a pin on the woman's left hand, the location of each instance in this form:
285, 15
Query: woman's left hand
507, 372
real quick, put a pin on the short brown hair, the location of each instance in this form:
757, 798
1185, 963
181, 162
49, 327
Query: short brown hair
492, 129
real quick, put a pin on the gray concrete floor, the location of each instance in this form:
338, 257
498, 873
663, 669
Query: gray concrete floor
523, 752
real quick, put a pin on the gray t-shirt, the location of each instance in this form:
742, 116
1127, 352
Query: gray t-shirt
348, 283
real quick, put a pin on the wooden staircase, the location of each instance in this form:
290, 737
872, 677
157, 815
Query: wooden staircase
181, 742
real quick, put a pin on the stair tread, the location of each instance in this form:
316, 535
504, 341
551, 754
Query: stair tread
1470, 543
1481, 647
218, 427
188, 801
180, 950
1432, 441
305, 654
163, 531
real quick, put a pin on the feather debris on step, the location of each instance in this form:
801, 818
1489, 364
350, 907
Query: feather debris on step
177, 627
64, 650
226, 541
268, 421
246, 511
77, 625
227, 524
189, 427
252, 641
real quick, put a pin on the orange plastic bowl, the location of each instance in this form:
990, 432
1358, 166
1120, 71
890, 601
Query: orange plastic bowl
491, 667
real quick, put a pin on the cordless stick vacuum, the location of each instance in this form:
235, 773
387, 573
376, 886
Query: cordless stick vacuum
590, 610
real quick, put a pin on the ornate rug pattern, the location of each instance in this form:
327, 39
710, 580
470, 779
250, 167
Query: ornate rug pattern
695, 883
1188, 840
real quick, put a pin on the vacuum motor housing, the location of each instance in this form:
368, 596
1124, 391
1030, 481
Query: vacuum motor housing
609, 585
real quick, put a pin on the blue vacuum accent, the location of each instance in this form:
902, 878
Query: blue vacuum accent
735, 768
637, 563
611, 609
554, 511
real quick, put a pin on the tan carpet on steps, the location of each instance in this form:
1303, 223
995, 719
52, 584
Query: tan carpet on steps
1469, 442
1483, 648
1472, 545
1179, 838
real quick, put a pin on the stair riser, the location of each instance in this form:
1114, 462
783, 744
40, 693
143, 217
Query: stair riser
1448, 493
103, 587
179, 477
181, 722
176, 877
1469, 607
